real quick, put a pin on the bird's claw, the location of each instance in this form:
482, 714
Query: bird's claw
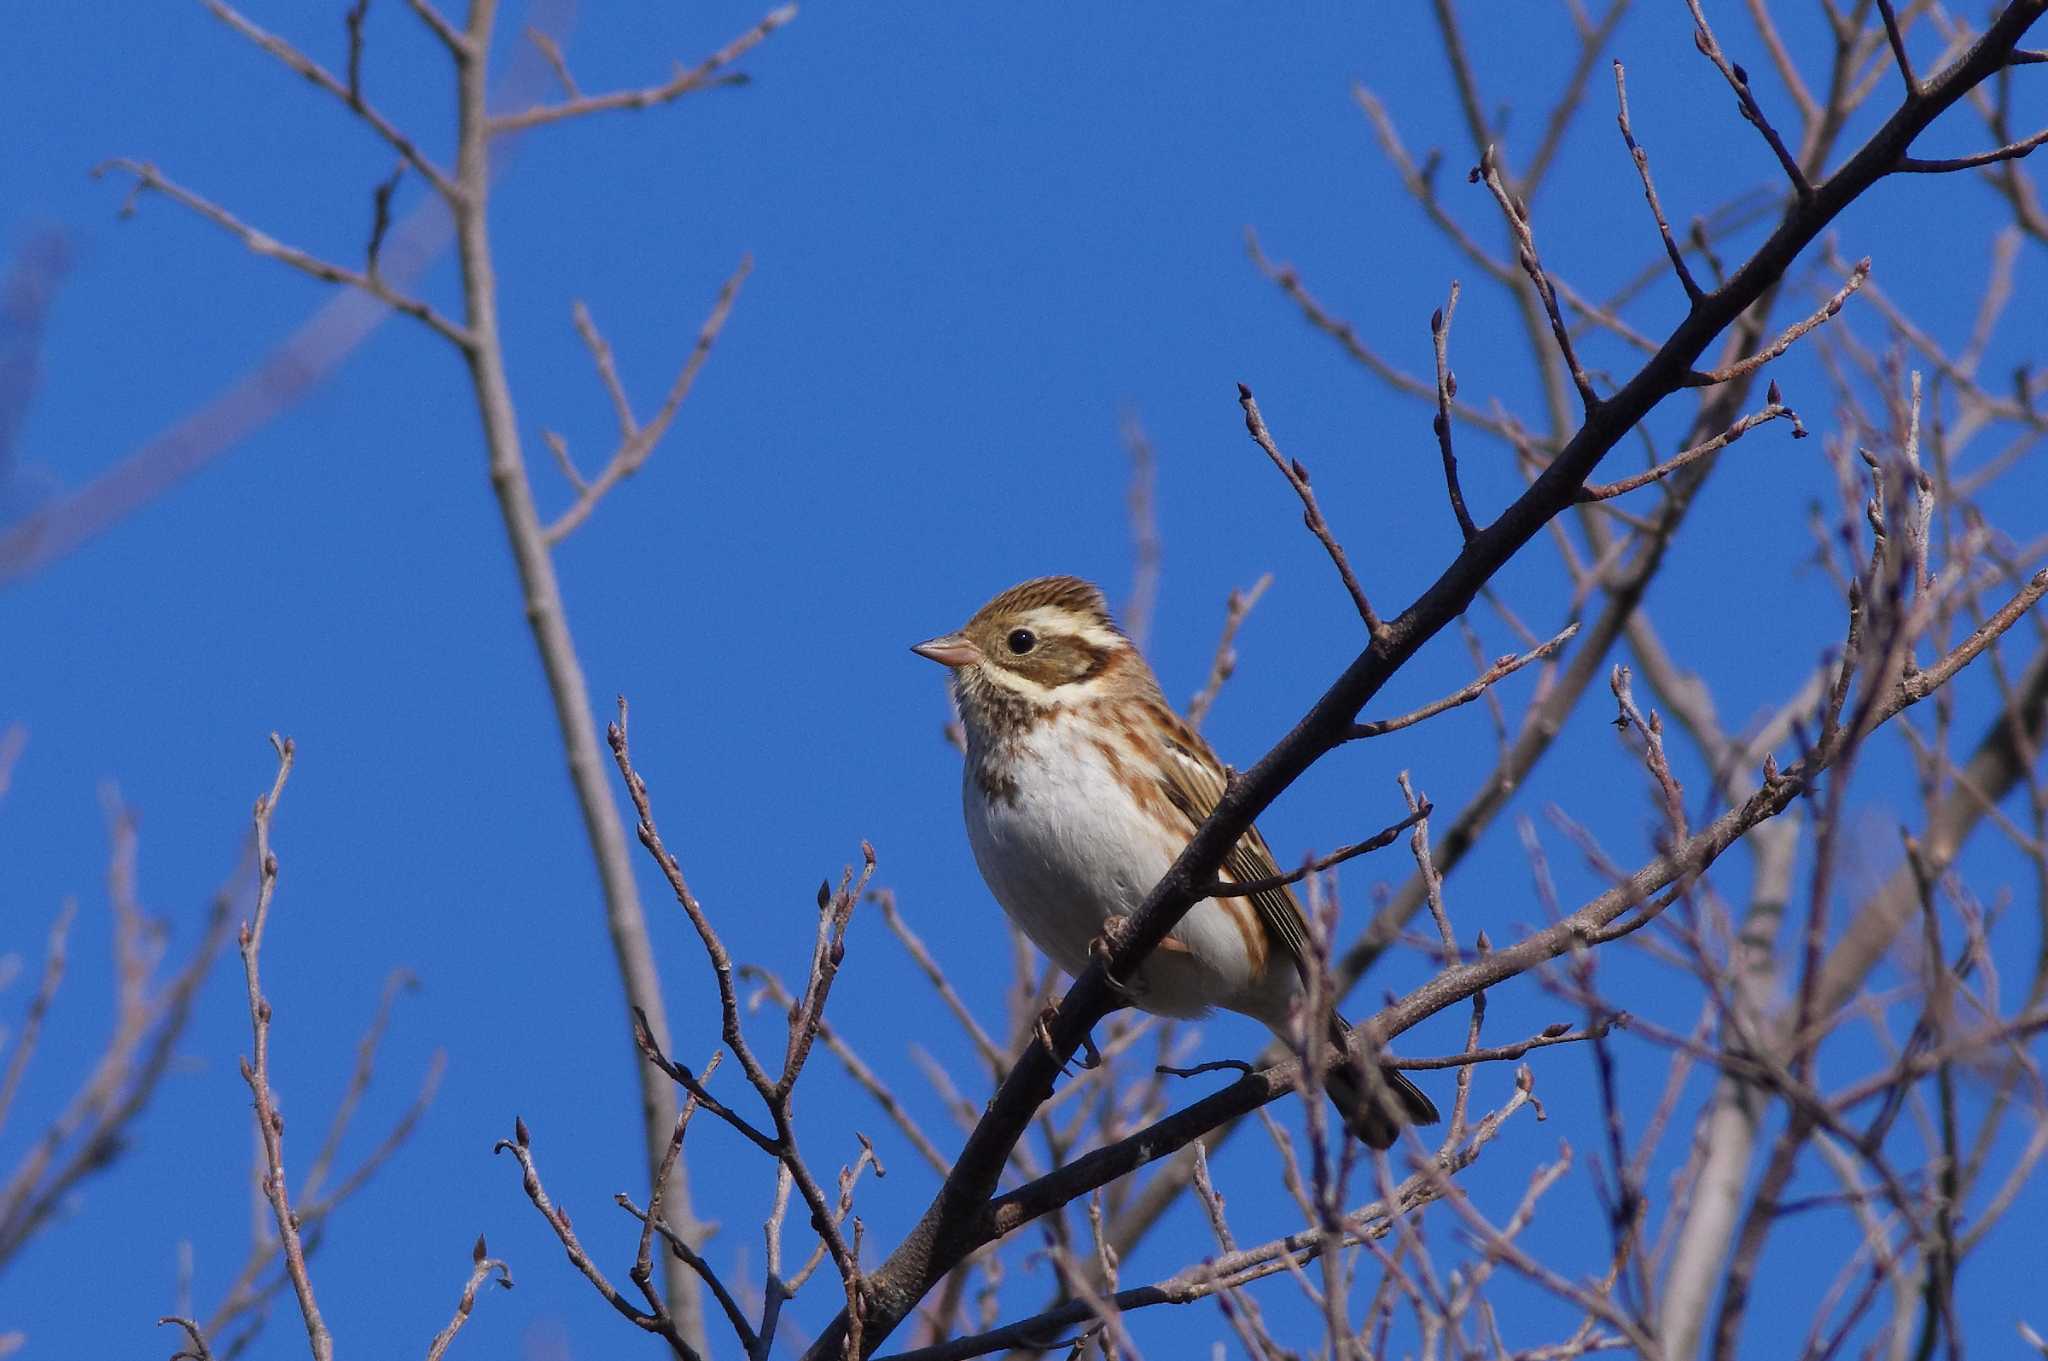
1044, 1030
1090, 1057
1115, 932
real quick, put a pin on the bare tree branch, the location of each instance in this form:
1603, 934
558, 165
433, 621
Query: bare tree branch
1231, 1270
350, 93
1776, 410
1379, 840
2011, 151
1224, 665
1517, 214
1500, 670
637, 441
1745, 99
148, 177
1642, 160
150, 1016
1791, 334
1312, 514
1447, 388
481, 1270
659, 1322
24, 1041
256, 1069
706, 73
1898, 41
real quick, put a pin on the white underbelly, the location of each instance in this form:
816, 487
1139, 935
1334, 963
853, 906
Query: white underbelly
1072, 848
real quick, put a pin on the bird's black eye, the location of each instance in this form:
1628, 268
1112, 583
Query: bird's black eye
1022, 641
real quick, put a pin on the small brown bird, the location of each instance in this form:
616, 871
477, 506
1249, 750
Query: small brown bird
1083, 785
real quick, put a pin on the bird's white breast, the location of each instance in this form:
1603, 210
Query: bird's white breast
1064, 845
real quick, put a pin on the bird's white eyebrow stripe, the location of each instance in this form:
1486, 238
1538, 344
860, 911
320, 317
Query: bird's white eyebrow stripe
1103, 637
1049, 621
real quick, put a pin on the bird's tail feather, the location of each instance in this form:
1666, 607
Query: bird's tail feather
1374, 1109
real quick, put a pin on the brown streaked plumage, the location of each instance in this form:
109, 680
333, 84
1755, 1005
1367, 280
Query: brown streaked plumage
1082, 785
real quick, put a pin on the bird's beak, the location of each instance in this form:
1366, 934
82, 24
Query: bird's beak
948, 650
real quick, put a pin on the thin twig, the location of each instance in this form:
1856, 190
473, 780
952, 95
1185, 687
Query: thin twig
1781, 58
2011, 151
1776, 410
1745, 99
1897, 39
1516, 212
92, 1128
1446, 389
1312, 514
705, 74
1630, 717
551, 53
1288, 280
643, 1267
1551, 1035
774, 1092
380, 220
1642, 159
1791, 334
24, 1042
1387, 836
638, 441
349, 93
520, 1146
607, 369
1504, 667
195, 1348
921, 956
400, 980
1224, 665
148, 177
459, 44
244, 1295
256, 1070
483, 1265
857, 1068
691, 1258
1142, 501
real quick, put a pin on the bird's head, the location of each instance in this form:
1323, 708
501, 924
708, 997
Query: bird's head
1046, 644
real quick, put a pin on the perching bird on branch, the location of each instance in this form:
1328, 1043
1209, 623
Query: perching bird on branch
1082, 786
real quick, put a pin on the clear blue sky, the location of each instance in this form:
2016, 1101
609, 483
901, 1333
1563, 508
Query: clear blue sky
978, 238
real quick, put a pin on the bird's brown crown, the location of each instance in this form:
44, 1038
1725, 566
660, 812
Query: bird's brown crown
1071, 595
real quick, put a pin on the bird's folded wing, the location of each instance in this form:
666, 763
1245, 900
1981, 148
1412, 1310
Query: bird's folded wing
1194, 784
